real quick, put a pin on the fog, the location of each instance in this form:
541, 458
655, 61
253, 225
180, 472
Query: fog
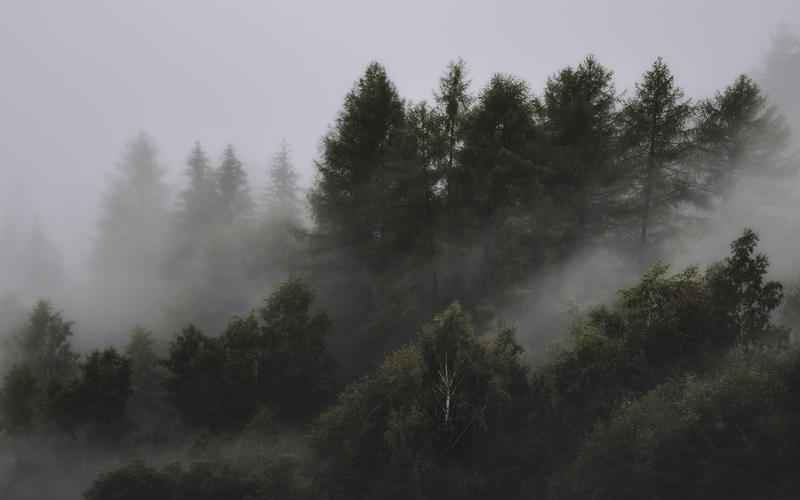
90, 88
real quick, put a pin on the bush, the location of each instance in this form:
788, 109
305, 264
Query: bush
730, 434
200, 481
659, 328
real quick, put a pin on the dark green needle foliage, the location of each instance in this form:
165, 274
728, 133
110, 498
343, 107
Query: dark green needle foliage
275, 358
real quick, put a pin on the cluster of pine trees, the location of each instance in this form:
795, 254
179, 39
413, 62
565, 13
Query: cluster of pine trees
464, 198
205, 258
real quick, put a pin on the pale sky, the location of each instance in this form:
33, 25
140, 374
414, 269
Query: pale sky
79, 78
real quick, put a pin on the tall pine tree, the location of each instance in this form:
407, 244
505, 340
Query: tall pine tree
233, 187
349, 199
131, 240
740, 133
579, 115
453, 101
283, 192
657, 140
200, 198
497, 172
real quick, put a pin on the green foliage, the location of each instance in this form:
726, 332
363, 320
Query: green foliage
48, 388
500, 130
132, 482
146, 373
18, 400
350, 190
200, 481
44, 361
43, 345
663, 326
743, 299
439, 404
725, 435
657, 143
195, 382
277, 359
739, 133
579, 116
105, 389
298, 362
97, 400
453, 100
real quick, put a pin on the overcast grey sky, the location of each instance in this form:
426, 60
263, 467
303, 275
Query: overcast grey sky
80, 77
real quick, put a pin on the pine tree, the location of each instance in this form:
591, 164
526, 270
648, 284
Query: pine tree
283, 200
579, 115
430, 142
145, 365
131, 238
196, 215
200, 197
348, 201
501, 130
453, 100
739, 133
497, 173
656, 135
44, 345
233, 187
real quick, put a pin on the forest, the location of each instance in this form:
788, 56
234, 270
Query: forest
397, 331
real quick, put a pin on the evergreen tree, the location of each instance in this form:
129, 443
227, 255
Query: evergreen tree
283, 200
349, 197
196, 382
195, 218
147, 374
103, 393
131, 240
453, 101
19, 400
298, 372
280, 239
95, 401
656, 135
44, 346
579, 113
497, 173
740, 133
200, 197
233, 188
423, 177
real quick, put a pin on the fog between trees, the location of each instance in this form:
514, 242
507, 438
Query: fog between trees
472, 299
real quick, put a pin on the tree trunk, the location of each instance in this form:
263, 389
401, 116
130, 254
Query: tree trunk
647, 196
